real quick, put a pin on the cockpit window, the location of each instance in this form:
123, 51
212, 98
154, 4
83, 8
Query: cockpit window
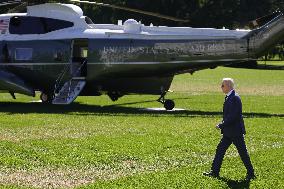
36, 25
54, 24
25, 25
88, 20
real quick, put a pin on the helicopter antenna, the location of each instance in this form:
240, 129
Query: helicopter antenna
132, 10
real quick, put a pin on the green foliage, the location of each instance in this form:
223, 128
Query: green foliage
201, 13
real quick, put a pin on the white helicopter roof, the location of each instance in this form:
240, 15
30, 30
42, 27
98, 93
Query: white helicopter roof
70, 12
74, 14
130, 28
55, 10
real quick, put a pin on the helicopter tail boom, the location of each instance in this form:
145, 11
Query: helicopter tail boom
266, 37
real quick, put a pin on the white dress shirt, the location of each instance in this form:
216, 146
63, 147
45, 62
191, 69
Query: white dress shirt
229, 93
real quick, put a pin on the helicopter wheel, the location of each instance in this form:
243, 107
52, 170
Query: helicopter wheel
169, 104
45, 98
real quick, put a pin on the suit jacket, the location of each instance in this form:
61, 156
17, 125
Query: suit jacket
233, 123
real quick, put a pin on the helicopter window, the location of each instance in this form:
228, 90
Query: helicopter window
23, 54
84, 52
26, 25
54, 24
58, 56
15, 21
36, 25
88, 20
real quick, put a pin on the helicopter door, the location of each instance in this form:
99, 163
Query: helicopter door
79, 58
5, 58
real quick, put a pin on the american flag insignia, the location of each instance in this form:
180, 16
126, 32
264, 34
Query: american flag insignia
4, 25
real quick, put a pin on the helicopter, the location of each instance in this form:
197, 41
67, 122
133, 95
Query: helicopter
57, 50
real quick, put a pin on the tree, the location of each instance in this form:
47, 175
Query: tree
201, 13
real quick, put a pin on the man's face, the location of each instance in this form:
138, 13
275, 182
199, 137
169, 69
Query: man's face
225, 88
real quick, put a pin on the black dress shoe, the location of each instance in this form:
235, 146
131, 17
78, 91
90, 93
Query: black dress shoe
250, 177
211, 174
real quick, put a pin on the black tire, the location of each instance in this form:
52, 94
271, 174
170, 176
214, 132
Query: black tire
45, 98
169, 104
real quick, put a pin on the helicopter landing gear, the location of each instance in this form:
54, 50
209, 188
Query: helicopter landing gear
168, 104
45, 98
114, 96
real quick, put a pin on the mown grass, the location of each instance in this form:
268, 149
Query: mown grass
96, 143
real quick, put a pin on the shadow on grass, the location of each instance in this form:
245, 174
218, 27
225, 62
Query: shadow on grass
236, 184
113, 110
257, 66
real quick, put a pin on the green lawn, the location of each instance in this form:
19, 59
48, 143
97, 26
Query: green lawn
97, 143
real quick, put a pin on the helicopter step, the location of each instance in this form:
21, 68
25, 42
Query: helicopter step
70, 90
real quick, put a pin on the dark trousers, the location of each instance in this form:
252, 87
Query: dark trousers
222, 147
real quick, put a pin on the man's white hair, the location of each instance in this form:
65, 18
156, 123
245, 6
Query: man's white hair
230, 82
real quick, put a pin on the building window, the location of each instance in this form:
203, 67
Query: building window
23, 54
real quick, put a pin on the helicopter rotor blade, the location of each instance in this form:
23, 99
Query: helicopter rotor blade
9, 2
264, 19
18, 8
132, 10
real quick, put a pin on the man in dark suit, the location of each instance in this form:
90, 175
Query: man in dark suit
233, 130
